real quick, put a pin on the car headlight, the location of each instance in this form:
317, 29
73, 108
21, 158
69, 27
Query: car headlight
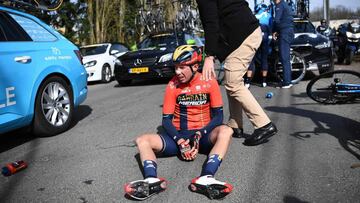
349, 34
90, 63
323, 45
166, 57
357, 35
118, 62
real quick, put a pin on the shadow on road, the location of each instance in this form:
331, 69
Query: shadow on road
18, 137
291, 199
344, 129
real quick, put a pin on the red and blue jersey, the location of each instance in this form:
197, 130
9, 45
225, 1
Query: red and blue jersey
191, 104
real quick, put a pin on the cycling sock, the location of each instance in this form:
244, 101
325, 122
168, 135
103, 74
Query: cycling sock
211, 165
150, 167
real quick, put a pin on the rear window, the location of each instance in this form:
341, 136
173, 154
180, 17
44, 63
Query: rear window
33, 29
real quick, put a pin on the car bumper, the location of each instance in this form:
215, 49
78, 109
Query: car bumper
159, 71
320, 59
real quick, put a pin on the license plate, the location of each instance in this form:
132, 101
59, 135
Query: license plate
139, 70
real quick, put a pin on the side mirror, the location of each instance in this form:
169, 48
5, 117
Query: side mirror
190, 42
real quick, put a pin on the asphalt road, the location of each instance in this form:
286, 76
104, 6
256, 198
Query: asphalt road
309, 160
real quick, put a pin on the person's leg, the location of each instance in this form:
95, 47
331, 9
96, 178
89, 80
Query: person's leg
148, 145
240, 98
218, 141
284, 51
250, 73
220, 137
264, 58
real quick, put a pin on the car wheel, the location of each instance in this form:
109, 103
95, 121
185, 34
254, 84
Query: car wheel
124, 82
54, 107
106, 74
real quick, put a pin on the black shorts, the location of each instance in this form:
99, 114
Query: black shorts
170, 147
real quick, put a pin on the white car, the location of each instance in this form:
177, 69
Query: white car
99, 60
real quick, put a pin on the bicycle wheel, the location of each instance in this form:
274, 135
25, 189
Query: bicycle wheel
323, 88
50, 5
298, 67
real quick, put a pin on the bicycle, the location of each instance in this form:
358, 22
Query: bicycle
297, 61
335, 87
48, 5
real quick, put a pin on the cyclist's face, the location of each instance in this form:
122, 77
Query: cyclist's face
184, 73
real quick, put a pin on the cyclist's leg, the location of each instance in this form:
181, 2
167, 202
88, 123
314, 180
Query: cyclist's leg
217, 142
148, 145
264, 47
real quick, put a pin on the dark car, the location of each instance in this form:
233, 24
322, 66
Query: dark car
321, 57
153, 59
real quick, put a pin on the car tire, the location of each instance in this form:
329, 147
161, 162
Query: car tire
106, 74
124, 82
54, 107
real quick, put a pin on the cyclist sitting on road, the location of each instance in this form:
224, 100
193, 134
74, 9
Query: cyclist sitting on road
192, 119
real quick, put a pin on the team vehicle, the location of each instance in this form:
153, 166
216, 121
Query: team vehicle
42, 78
153, 57
317, 49
99, 60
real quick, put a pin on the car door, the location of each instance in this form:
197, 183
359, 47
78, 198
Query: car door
14, 68
19, 66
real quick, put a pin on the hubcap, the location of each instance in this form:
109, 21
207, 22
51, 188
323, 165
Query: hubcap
107, 74
55, 104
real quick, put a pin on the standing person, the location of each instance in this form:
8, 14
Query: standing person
262, 13
232, 34
192, 119
284, 31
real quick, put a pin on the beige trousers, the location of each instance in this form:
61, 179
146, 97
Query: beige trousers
240, 98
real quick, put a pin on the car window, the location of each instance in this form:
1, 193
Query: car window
158, 41
303, 27
33, 29
119, 47
10, 30
93, 50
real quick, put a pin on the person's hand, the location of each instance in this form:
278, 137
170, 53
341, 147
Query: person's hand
208, 69
275, 35
187, 152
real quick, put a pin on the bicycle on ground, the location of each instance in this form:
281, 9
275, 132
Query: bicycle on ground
335, 87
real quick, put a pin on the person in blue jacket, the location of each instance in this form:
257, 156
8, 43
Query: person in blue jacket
284, 33
265, 19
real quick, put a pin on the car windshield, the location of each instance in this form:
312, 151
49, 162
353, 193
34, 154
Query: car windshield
303, 27
158, 41
93, 50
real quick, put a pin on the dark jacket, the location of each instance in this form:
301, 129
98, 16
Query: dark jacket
227, 23
283, 17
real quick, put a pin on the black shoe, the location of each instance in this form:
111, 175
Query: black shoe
238, 132
260, 135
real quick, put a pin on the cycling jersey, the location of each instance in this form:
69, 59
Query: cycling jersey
196, 105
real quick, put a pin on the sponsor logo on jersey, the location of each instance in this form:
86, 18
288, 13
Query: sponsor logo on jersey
193, 99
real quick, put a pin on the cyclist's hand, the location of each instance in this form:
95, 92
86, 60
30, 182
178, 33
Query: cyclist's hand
185, 149
208, 71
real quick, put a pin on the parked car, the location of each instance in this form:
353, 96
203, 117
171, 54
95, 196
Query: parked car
153, 59
321, 56
42, 78
99, 60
